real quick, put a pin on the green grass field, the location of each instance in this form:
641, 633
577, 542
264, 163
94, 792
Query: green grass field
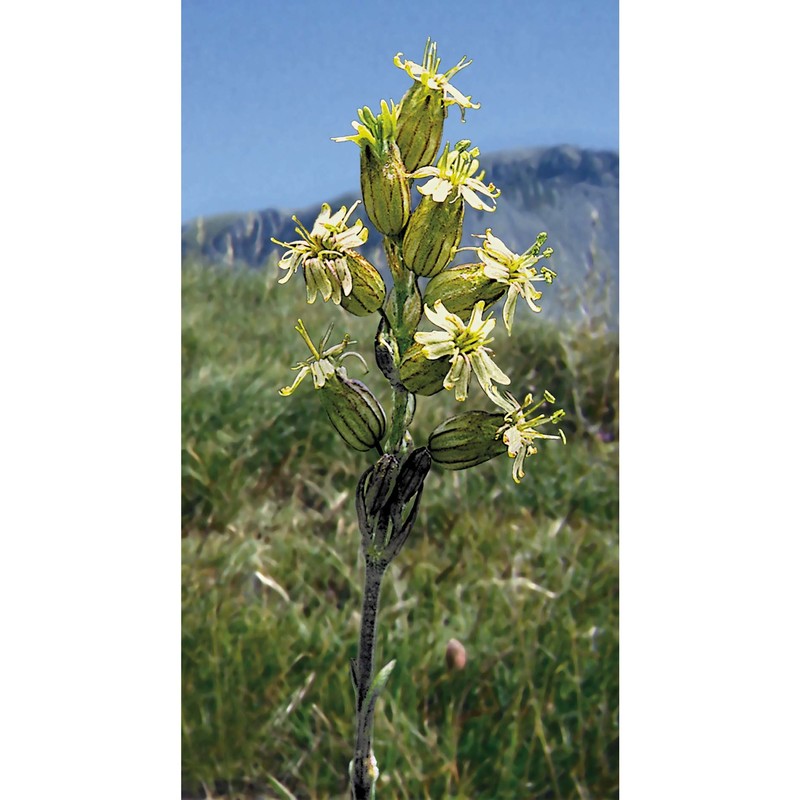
526, 577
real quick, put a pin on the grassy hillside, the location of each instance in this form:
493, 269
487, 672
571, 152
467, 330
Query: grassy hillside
524, 576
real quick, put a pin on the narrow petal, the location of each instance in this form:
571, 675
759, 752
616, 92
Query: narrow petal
512, 439
442, 191
440, 316
433, 337
475, 318
457, 97
517, 471
493, 269
508, 308
438, 349
499, 245
311, 286
531, 296
487, 371
432, 186
425, 172
458, 377
462, 387
287, 390
469, 195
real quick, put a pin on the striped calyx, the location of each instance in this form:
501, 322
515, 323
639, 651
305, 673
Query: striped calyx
368, 289
411, 476
354, 412
421, 375
467, 439
460, 288
433, 236
381, 483
384, 181
424, 106
384, 186
420, 125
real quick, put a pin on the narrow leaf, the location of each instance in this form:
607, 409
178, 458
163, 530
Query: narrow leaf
379, 683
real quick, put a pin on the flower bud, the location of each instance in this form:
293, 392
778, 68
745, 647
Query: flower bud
354, 412
467, 440
460, 288
368, 290
412, 475
384, 186
420, 125
433, 236
424, 106
421, 375
384, 181
385, 355
381, 483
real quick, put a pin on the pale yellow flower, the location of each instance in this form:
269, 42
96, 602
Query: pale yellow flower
428, 75
519, 431
465, 343
518, 272
324, 362
323, 253
454, 177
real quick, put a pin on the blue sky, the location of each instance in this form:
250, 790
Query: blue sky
265, 85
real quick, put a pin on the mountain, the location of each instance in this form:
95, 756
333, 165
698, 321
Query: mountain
571, 193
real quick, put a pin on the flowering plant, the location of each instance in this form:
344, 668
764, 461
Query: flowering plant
398, 146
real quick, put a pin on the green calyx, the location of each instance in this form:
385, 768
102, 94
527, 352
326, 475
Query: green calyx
351, 407
420, 126
467, 440
421, 375
368, 289
460, 288
354, 412
384, 178
385, 189
433, 235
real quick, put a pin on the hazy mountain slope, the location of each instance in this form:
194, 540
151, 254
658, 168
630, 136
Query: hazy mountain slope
553, 189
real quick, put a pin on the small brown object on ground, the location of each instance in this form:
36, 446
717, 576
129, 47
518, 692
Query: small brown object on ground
455, 655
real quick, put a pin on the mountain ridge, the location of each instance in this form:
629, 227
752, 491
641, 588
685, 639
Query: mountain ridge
570, 192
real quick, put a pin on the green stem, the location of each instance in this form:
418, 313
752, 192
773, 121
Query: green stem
403, 279
362, 778
402, 332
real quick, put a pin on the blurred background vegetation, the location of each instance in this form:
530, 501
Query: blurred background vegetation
526, 577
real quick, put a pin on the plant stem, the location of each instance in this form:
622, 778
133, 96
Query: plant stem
362, 770
402, 279
364, 767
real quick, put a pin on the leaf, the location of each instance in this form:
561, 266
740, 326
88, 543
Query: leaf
379, 683
278, 785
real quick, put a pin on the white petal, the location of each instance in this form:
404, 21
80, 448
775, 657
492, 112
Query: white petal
442, 317
508, 308
429, 187
531, 296
513, 440
432, 337
287, 390
469, 195
436, 350
487, 371
442, 191
517, 471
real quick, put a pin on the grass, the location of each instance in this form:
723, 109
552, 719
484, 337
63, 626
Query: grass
524, 576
